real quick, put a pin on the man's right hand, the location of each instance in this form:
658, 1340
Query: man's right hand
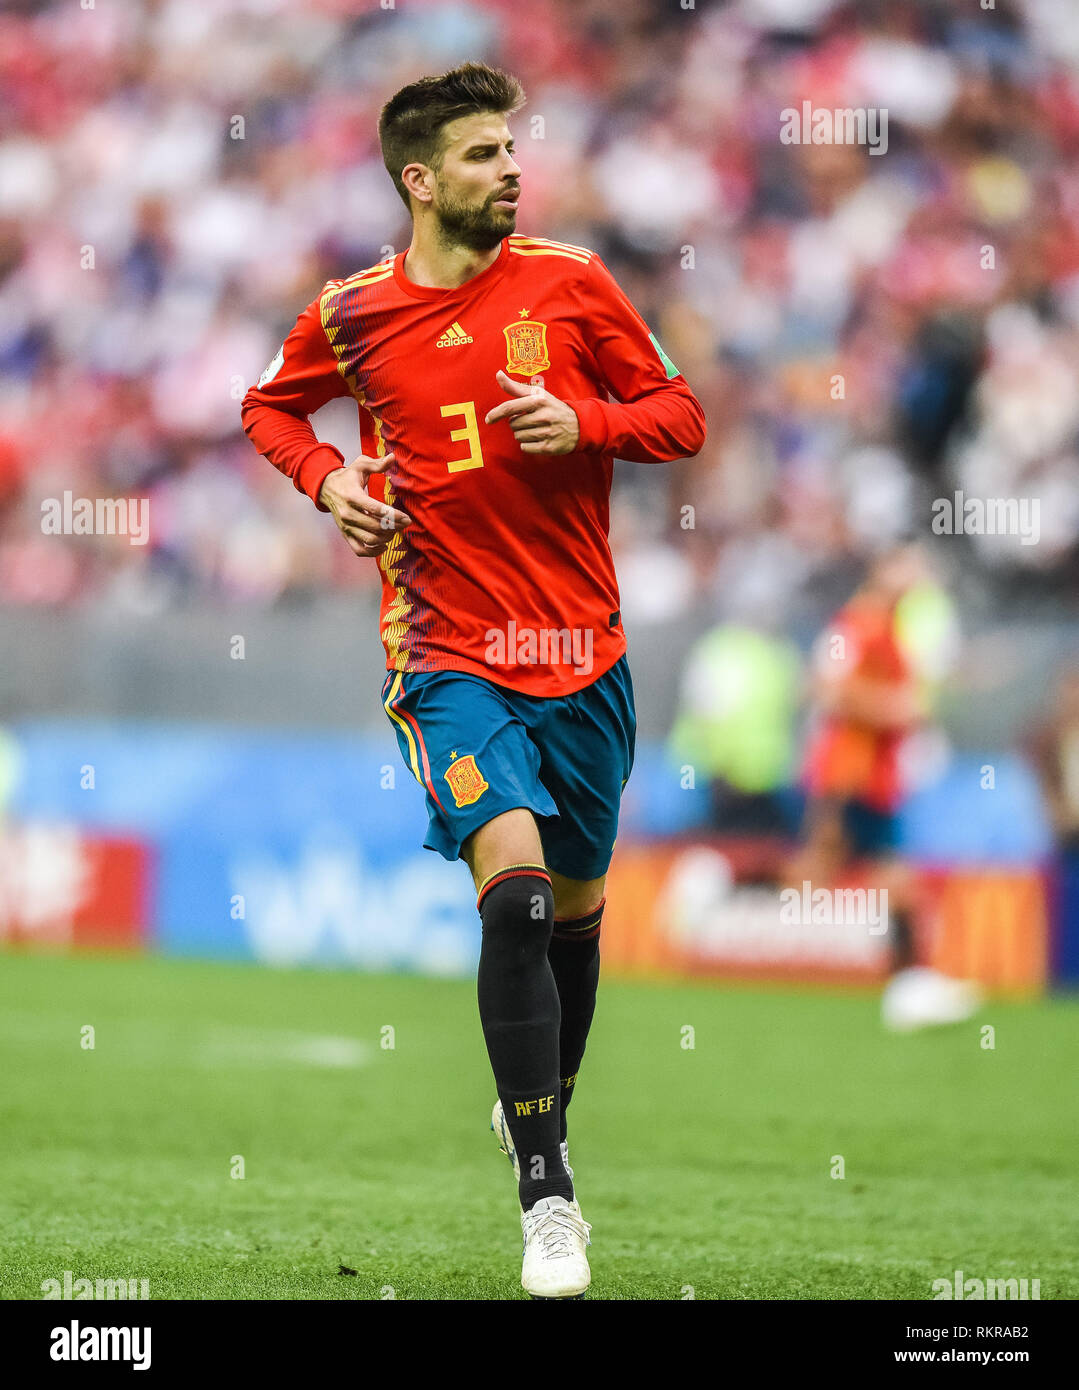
367, 525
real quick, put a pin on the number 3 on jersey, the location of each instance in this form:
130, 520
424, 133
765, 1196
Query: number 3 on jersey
469, 431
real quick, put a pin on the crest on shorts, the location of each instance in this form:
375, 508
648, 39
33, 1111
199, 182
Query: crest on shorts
466, 781
526, 348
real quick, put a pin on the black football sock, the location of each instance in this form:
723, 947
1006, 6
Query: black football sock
574, 957
519, 1012
902, 941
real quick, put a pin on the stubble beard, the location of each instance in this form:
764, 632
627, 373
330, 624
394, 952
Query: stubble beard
476, 227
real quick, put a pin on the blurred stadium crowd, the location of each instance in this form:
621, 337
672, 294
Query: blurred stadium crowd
866, 331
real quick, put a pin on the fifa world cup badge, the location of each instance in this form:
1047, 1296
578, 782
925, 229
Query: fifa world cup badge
275, 366
526, 348
466, 781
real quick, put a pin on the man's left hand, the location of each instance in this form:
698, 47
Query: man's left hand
541, 423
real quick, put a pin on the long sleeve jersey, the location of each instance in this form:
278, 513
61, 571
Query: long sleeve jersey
506, 571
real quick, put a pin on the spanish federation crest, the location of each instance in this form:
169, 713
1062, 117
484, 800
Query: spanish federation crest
466, 781
526, 348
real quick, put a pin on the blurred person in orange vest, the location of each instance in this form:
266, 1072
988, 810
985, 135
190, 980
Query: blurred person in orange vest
870, 695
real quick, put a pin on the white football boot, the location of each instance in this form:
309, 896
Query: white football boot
555, 1264
922, 998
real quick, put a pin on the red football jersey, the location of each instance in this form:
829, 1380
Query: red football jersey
506, 571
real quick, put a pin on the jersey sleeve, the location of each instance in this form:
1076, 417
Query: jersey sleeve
654, 416
302, 377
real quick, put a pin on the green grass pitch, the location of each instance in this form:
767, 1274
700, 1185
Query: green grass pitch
705, 1171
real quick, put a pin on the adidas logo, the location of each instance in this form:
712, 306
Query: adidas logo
454, 336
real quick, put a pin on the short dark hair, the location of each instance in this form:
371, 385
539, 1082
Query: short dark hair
410, 124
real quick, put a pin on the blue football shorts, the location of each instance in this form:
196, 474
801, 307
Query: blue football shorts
479, 749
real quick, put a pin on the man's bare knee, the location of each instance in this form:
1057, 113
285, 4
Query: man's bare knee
510, 838
573, 897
